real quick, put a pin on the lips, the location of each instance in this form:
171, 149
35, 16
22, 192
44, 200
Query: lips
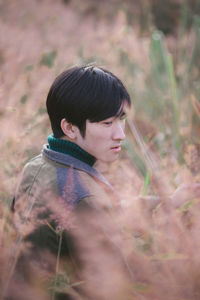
116, 148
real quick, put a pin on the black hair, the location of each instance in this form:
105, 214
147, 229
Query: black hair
85, 93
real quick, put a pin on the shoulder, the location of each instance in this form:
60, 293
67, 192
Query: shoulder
61, 179
36, 174
71, 185
42, 176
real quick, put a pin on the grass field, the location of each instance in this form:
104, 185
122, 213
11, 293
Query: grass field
160, 248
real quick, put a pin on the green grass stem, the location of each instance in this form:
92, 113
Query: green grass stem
147, 181
175, 104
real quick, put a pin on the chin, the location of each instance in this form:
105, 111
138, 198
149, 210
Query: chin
111, 160
108, 159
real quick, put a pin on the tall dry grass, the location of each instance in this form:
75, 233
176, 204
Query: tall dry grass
134, 252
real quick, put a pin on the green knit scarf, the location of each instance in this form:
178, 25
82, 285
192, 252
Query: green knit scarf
70, 148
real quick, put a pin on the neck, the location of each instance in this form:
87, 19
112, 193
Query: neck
70, 148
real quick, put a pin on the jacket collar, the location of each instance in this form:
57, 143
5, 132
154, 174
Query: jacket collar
71, 161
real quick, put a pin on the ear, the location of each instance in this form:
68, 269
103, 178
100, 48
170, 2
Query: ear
68, 129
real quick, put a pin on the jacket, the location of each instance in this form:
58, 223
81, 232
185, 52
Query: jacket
53, 185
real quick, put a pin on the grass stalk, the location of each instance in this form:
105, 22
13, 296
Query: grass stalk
57, 263
173, 88
147, 181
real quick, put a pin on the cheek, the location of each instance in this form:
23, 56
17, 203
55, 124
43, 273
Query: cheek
98, 138
123, 125
97, 135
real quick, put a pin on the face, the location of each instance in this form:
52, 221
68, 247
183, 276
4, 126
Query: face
103, 139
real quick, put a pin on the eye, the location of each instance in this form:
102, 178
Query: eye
123, 117
107, 123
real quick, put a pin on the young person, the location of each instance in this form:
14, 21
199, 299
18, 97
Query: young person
86, 107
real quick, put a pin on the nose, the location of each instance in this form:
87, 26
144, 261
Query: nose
118, 132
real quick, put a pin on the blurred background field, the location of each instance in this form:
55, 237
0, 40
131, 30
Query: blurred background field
152, 45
